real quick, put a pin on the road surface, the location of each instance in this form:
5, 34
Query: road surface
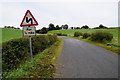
79, 59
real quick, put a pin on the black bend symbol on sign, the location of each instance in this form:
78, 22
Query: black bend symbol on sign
29, 20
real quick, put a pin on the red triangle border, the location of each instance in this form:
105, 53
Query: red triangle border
28, 11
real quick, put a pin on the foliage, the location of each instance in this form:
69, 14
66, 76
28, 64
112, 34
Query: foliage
101, 36
11, 27
41, 66
85, 27
60, 34
13, 52
44, 30
51, 27
17, 50
77, 34
57, 27
86, 35
65, 26
100, 27
72, 27
38, 31
76, 27
70, 32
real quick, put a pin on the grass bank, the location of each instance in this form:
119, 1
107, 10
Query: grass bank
71, 32
114, 43
41, 66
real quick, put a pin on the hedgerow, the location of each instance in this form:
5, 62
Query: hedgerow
77, 34
101, 36
86, 35
60, 34
17, 51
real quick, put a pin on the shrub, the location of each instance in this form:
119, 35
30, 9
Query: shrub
77, 34
101, 36
60, 34
64, 34
86, 35
17, 51
13, 52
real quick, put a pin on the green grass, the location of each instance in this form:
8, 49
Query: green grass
8, 34
71, 32
115, 46
41, 66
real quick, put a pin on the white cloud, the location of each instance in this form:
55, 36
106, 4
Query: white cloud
73, 13
59, 0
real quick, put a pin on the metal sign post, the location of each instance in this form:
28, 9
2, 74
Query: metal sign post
31, 55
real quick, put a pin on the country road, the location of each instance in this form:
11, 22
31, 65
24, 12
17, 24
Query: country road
79, 59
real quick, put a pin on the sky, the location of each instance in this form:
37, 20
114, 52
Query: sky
75, 13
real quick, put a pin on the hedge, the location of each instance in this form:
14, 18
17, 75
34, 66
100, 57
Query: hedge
16, 51
60, 34
86, 35
77, 34
101, 36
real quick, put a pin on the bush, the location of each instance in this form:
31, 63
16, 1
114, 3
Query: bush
64, 34
60, 34
77, 34
17, 51
86, 35
44, 30
101, 36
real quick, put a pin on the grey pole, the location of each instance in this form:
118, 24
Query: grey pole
31, 55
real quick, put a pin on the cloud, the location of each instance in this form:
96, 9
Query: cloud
59, 0
71, 13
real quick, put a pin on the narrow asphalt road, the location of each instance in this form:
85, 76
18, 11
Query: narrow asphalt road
79, 59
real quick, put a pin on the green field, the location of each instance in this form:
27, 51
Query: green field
8, 34
71, 32
115, 46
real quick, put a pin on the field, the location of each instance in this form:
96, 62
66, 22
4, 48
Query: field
114, 44
70, 32
8, 34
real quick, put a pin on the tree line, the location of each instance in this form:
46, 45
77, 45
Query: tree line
11, 27
51, 27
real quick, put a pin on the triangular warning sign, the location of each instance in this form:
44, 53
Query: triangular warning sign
28, 20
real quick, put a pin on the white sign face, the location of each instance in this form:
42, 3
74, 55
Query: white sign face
28, 20
29, 31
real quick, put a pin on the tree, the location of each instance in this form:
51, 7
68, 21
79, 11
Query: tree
51, 27
57, 27
44, 30
65, 26
85, 27
77, 27
37, 31
71, 27
12, 27
101, 26
5, 26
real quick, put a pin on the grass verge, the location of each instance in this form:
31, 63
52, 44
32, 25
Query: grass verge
41, 66
111, 48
